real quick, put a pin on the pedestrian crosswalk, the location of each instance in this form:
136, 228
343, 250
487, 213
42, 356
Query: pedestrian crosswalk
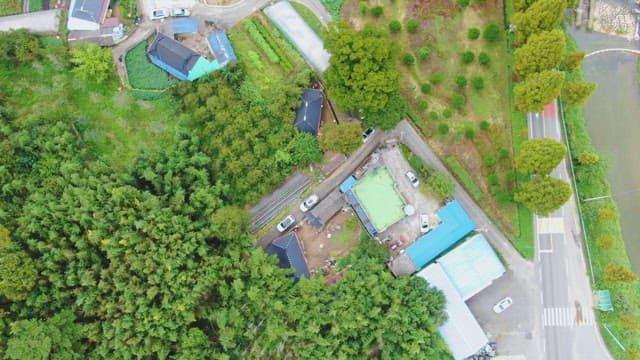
567, 317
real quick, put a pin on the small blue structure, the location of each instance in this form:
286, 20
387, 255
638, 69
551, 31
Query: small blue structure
184, 26
348, 184
455, 224
472, 266
221, 47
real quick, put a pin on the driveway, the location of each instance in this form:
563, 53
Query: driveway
40, 22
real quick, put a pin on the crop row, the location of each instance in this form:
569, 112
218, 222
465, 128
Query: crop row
260, 41
275, 45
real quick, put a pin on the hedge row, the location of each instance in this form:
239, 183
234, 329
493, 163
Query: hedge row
285, 61
257, 37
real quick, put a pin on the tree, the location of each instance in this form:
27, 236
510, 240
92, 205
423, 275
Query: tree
467, 57
538, 90
443, 129
17, 275
390, 116
29, 340
473, 33
492, 33
457, 101
362, 72
408, 59
543, 195
588, 158
5, 240
377, 11
230, 222
447, 113
412, 26
343, 139
477, 82
19, 46
543, 51
484, 59
522, 5
542, 15
540, 156
572, 61
441, 185
463, 3
425, 88
615, 273
424, 54
576, 92
461, 81
395, 26
92, 62
305, 148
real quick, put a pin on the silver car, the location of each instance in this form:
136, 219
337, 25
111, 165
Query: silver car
310, 202
180, 12
158, 14
286, 223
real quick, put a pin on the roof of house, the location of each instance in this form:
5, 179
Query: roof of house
454, 226
308, 114
326, 209
174, 55
184, 26
472, 266
289, 253
461, 330
221, 47
90, 10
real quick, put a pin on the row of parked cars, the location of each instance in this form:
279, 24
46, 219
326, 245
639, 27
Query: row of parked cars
158, 14
306, 205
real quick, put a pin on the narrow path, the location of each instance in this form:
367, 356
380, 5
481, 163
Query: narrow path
25, 6
630, 51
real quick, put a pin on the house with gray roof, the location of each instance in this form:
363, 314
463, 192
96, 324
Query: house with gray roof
289, 253
309, 113
87, 14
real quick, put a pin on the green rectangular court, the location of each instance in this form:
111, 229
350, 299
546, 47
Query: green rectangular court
377, 194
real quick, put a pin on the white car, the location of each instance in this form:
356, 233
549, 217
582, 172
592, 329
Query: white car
413, 179
180, 12
286, 223
424, 223
158, 14
502, 305
310, 202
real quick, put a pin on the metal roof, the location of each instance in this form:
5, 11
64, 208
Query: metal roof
172, 56
221, 47
89, 10
308, 114
184, 26
461, 330
289, 253
472, 266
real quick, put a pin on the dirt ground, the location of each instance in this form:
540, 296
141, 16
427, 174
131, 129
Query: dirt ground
333, 242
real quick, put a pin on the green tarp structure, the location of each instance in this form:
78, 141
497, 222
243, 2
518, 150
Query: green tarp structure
202, 68
604, 300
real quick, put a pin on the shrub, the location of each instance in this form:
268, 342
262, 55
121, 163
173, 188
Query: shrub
441, 185
364, 8
615, 273
425, 88
588, 158
484, 125
503, 198
503, 153
477, 82
492, 32
437, 78
443, 129
606, 215
628, 321
473, 33
605, 241
489, 161
423, 105
463, 3
408, 59
377, 11
412, 25
433, 115
461, 81
484, 59
395, 26
493, 179
457, 101
447, 113
424, 53
469, 133
467, 57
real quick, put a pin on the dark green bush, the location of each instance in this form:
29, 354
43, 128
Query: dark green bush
477, 82
492, 32
443, 129
484, 59
412, 25
467, 57
425, 88
395, 26
377, 11
424, 53
473, 33
461, 81
447, 113
408, 59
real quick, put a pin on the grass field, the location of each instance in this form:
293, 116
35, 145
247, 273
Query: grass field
116, 125
142, 74
486, 114
309, 17
10, 7
35, 5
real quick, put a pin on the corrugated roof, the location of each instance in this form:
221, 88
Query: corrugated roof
461, 330
454, 226
289, 253
183, 26
472, 266
89, 10
308, 114
176, 56
347, 184
221, 47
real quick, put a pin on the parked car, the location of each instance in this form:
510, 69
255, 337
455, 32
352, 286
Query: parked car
286, 223
502, 305
181, 12
310, 202
424, 223
157, 14
367, 133
413, 179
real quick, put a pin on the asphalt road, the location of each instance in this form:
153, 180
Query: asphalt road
570, 330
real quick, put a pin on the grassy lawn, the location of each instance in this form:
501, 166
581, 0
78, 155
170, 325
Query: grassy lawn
35, 5
142, 74
116, 125
348, 232
309, 17
486, 114
10, 7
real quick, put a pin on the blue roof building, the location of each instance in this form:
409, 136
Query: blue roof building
221, 47
184, 26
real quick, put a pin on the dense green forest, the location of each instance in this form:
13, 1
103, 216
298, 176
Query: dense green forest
154, 259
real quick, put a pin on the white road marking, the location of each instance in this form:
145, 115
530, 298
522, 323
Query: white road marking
566, 317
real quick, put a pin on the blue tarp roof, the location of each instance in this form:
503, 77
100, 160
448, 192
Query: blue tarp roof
221, 47
472, 266
183, 26
348, 184
454, 226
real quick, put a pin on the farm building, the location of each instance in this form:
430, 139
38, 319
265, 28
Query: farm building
289, 253
221, 47
455, 225
461, 331
87, 14
309, 113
